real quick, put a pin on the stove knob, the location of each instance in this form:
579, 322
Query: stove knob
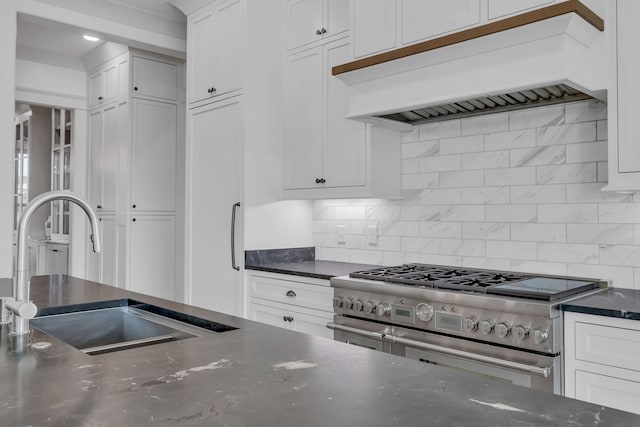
337, 302
522, 332
540, 336
359, 305
370, 307
487, 327
503, 329
348, 304
383, 310
470, 324
424, 312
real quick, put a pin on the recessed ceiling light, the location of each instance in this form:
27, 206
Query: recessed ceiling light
91, 38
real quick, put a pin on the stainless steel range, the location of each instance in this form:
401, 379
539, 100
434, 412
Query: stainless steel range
497, 323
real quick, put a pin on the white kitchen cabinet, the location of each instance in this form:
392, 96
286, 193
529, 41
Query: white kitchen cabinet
601, 360
216, 49
57, 258
497, 9
109, 82
153, 156
373, 25
623, 126
310, 322
106, 125
327, 155
153, 255
309, 21
214, 169
155, 79
423, 20
134, 173
47, 257
293, 302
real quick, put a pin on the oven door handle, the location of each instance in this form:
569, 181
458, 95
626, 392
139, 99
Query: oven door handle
529, 369
336, 327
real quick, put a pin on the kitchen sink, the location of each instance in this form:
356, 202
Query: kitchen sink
105, 327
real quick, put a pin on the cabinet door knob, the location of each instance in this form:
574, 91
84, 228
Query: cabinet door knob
318, 32
291, 294
99, 206
317, 180
135, 88
134, 220
320, 180
133, 206
100, 98
323, 30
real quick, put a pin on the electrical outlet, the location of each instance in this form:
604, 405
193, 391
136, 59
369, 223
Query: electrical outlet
372, 235
341, 230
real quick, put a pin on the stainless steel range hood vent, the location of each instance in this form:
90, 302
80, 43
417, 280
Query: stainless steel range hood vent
555, 94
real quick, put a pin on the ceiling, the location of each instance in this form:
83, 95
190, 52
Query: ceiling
55, 43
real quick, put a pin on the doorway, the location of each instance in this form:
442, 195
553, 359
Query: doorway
42, 162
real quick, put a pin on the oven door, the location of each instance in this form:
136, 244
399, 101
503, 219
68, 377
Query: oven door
360, 333
531, 370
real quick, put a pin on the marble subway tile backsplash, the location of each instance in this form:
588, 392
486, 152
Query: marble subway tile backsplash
519, 191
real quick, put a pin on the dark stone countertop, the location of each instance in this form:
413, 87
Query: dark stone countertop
299, 262
614, 302
257, 375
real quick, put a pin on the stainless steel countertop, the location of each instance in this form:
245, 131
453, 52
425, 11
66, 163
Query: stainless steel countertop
256, 375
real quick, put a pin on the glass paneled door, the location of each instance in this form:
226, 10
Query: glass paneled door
21, 166
61, 138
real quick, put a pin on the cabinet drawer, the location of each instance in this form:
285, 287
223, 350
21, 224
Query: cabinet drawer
292, 292
607, 345
307, 321
609, 391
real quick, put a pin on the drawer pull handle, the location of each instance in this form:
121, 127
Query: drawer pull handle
291, 294
287, 318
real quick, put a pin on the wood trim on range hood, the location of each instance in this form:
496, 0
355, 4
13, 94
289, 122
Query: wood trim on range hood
569, 6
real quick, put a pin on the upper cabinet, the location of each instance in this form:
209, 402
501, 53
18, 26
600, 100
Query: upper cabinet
154, 79
422, 20
381, 25
109, 82
215, 46
623, 111
310, 21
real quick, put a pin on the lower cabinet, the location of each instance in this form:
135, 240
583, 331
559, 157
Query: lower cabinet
601, 360
292, 302
47, 258
153, 255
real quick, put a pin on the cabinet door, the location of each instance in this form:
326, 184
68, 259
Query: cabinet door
111, 82
154, 147
303, 146
57, 259
336, 17
201, 58
102, 267
304, 22
618, 393
96, 89
229, 47
154, 78
214, 185
269, 315
374, 26
500, 8
110, 152
345, 140
426, 19
153, 255
96, 139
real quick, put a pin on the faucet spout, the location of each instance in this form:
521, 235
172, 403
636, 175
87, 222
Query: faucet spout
23, 309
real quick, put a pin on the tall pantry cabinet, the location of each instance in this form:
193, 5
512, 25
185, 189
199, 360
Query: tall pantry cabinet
134, 171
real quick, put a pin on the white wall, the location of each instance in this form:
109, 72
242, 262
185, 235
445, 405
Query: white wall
516, 191
49, 79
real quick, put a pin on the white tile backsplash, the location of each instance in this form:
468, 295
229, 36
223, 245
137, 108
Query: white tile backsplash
519, 191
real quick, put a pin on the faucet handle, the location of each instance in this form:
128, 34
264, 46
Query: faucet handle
25, 310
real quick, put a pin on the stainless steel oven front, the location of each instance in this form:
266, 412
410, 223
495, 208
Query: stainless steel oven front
524, 368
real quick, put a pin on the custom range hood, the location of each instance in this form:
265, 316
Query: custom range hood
551, 55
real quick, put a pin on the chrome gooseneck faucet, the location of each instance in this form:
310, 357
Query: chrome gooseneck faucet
20, 305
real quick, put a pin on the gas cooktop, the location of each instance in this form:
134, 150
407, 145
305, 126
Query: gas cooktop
547, 288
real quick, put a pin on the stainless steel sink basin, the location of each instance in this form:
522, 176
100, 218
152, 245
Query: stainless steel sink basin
102, 330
